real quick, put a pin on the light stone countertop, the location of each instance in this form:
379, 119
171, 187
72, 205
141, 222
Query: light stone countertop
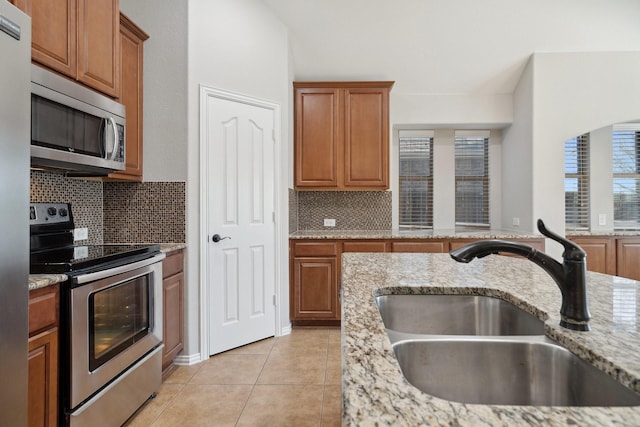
412, 234
171, 247
374, 389
37, 281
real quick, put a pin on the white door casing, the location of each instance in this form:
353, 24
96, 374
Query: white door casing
238, 169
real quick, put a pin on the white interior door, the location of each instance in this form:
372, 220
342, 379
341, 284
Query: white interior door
241, 266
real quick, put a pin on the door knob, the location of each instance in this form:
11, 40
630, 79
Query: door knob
216, 238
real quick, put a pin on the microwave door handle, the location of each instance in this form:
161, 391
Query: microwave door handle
116, 140
103, 138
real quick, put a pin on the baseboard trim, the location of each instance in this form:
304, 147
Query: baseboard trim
187, 359
285, 330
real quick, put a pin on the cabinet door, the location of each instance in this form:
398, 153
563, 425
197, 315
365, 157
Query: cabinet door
131, 96
173, 324
98, 46
366, 138
315, 289
53, 33
601, 253
43, 379
317, 138
628, 253
421, 247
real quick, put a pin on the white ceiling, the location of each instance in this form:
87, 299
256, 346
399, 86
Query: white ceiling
447, 46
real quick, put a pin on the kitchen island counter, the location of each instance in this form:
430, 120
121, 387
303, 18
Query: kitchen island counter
374, 389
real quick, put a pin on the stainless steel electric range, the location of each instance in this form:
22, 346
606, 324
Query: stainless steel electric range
111, 319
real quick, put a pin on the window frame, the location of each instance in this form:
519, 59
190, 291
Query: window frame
484, 179
427, 137
582, 175
634, 175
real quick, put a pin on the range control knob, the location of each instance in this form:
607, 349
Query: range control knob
62, 212
51, 211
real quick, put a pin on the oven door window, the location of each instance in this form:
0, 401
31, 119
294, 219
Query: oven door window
118, 317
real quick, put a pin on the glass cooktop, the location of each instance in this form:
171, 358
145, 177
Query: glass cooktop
70, 259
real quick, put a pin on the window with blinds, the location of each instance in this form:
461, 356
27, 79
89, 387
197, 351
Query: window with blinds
416, 179
472, 179
626, 177
576, 183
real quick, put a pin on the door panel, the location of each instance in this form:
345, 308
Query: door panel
230, 296
241, 268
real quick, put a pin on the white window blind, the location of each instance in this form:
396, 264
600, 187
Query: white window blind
416, 179
472, 178
576, 183
626, 177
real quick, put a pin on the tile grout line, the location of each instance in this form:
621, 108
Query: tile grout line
168, 404
253, 387
324, 385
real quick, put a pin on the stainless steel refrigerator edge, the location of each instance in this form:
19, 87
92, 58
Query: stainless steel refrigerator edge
15, 114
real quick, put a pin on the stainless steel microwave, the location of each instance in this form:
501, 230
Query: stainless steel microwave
73, 128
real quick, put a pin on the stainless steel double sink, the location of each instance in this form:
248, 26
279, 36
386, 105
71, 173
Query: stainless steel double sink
479, 349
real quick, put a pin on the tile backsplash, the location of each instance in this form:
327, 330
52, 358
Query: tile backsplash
352, 210
84, 195
118, 212
147, 212
293, 210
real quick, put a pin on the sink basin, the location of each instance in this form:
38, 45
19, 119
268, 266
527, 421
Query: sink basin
455, 315
504, 372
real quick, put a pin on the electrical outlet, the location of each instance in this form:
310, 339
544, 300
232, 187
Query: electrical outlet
516, 221
80, 234
329, 222
602, 219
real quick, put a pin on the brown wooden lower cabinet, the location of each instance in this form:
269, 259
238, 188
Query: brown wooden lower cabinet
434, 247
601, 253
315, 270
628, 257
313, 294
315, 291
535, 243
43, 356
365, 246
616, 255
173, 309
43, 379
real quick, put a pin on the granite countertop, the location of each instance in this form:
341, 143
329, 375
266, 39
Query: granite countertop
37, 281
412, 234
628, 233
374, 389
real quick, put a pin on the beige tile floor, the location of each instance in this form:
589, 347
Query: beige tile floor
292, 380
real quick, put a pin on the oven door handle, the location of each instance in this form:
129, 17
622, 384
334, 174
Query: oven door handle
92, 277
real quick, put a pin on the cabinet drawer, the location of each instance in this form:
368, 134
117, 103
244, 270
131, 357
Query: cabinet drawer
364, 247
43, 309
173, 264
421, 247
315, 249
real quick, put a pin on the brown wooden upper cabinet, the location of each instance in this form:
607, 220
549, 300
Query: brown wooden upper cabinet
77, 38
342, 135
131, 96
